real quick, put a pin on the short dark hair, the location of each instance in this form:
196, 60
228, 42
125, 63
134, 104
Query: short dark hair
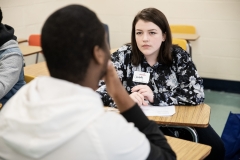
157, 17
1, 16
68, 39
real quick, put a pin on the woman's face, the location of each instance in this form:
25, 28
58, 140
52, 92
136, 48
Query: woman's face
149, 38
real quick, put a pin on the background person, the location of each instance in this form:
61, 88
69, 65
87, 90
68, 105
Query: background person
168, 75
11, 63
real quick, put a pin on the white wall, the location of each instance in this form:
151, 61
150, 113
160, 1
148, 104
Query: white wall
216, 53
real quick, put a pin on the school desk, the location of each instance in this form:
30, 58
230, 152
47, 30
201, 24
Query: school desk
29, 50
21, 40
185, 117
187, 150
35, 70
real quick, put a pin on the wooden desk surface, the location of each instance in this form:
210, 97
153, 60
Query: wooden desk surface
187, 150
29, 50
21, 40
189, 37
192, 116
34, 70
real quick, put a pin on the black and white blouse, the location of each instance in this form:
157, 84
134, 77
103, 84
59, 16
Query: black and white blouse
178, 84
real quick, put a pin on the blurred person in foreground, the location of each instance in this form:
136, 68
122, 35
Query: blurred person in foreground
62, 117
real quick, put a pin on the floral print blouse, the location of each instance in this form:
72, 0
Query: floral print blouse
178, 84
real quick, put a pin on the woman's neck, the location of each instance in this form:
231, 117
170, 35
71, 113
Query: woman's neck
151, 59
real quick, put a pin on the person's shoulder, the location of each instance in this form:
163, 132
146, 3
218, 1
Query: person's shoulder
122, 53
127, 48
179, 53
117, 135
10, 46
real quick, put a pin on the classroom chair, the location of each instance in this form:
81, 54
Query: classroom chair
35, 40
27, 78
181, 42
184, 29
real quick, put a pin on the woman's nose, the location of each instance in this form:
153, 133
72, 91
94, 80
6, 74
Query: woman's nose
145, 37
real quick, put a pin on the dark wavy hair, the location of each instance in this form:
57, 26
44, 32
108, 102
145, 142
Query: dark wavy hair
157, 17
68, 39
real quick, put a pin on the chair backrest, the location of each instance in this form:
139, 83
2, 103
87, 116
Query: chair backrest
180, 42
34, 40
187, 29
28, 78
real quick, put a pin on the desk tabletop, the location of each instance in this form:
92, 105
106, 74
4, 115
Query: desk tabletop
21, 40
187, 150
192, 116
189, 37
35, 70
29, 50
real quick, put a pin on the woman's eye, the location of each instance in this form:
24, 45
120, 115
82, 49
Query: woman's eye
138, 33
152, 32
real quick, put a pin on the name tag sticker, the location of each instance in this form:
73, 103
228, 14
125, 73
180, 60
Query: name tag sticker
141, 77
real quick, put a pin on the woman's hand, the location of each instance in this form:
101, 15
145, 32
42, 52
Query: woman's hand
145, 91
138, 98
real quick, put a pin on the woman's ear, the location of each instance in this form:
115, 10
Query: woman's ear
98, 55
164, 36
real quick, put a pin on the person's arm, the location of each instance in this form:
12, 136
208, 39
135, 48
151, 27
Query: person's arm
10, 69
118, 63
189, 90
159, 148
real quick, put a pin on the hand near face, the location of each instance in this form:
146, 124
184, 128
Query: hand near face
138, 98
116, 90
112, 80
145, 91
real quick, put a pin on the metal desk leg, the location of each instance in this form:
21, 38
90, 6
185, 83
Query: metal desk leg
37, 58
190, 48
190, 129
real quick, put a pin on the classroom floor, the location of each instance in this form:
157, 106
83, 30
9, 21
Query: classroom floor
221, 104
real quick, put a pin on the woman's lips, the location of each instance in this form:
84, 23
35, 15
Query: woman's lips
145, 46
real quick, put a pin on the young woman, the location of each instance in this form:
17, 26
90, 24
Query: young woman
154, 71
